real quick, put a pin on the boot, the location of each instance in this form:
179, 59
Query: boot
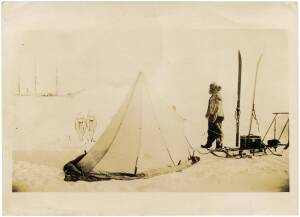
219, 143
206, 146
210, 139
218, 148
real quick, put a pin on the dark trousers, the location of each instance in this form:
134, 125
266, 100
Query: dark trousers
215, 132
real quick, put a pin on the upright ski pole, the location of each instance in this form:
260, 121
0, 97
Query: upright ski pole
253, 98
237, 112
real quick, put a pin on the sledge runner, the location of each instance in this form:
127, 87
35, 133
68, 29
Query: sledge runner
215, 117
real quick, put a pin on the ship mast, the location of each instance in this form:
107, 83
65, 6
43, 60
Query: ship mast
35, 77
56, 82
19, 86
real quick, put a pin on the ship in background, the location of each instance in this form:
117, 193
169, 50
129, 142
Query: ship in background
35, 92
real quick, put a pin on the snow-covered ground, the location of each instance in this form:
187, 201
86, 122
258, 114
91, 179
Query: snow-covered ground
42, 171
42, 135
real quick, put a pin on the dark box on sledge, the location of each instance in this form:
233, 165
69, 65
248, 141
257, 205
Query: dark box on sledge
250, 142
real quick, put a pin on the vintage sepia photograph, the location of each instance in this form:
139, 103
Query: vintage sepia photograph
135, 97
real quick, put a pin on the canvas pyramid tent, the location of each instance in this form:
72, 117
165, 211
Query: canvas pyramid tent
143, 139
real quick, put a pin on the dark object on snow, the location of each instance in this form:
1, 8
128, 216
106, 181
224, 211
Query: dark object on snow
251, 142
273, 142
72, 173
194, 159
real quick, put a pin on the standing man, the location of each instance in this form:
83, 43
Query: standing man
215, 117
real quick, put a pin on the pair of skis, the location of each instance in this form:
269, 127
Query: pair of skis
237, 112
